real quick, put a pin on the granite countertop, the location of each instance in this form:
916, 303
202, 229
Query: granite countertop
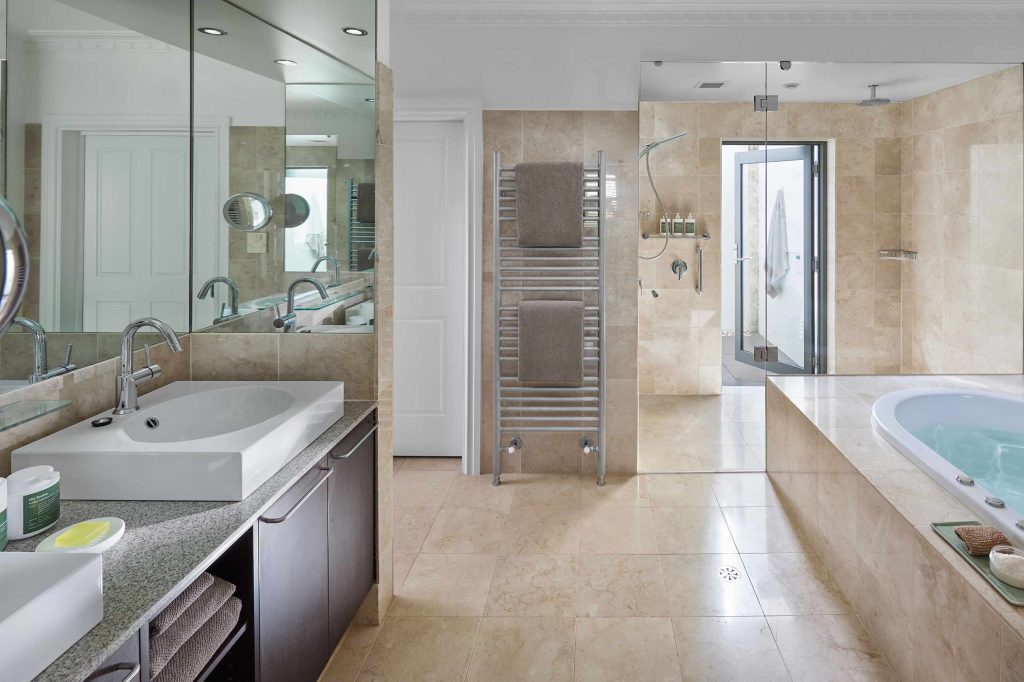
166, 545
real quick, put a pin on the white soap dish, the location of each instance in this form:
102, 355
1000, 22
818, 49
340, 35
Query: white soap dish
85, 537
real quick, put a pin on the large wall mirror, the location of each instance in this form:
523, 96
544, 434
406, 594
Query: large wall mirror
151, 147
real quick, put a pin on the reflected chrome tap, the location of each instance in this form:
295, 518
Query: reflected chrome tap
337, 268
39, 370
286, 322
129, 378
207, 290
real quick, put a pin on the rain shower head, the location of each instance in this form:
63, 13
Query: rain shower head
873, 100
657, 143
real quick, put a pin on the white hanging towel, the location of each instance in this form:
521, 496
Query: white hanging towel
777, 258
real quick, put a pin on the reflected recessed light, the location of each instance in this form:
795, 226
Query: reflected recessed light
791, 86
286, 62
353, 31
370, 99
211, 31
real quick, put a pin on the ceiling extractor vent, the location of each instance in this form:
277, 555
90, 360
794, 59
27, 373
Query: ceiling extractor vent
710, 85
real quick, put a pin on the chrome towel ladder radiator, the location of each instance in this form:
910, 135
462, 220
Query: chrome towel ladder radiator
522, 273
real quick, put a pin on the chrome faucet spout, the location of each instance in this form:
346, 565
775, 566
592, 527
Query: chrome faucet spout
38, 346
207, 290
336, 279
286, 322
129, 378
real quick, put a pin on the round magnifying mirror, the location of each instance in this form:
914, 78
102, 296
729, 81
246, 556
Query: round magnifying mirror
13, 265
296, 210
247, 212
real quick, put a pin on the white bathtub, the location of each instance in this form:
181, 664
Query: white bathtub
970, 442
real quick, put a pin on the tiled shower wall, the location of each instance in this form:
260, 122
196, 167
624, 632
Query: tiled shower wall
574, 136
963, 212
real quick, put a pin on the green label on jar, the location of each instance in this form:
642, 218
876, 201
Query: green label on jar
41, 509
3, 530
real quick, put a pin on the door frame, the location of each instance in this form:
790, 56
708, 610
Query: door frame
815, 241
469, 113
51, 191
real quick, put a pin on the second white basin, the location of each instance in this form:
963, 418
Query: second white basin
190, 440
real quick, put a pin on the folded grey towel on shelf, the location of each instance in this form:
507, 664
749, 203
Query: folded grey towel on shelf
551, 342
180, 604
163, 647
549, 204
366, 211
194, 654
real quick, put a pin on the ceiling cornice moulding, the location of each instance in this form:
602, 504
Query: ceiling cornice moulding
681, 13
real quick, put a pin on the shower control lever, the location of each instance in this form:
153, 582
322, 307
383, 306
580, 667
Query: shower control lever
678, 268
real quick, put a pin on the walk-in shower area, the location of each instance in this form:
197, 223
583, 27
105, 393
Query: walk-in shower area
817, 218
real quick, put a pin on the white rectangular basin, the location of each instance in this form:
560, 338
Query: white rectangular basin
47, 603
190, 440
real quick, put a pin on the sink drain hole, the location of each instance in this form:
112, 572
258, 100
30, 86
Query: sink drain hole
152, 423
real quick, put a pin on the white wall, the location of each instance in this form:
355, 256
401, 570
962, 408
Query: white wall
597, 67
356, 133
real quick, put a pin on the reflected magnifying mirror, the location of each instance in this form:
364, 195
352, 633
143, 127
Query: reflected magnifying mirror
248, 212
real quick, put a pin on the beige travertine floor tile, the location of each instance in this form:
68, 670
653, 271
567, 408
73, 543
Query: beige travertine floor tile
793, 585
626, 649
696, 585
680, 490
617, 530
421, 648
431, 463
402, 562
350, 653
542, 530
728, 649
546, 490
692, 530
411, 526
445, 585
421, 488
617, 491
533, 585
824, 648
465, 530
616, 585
477, 491
523, 649
764, 529
744, 490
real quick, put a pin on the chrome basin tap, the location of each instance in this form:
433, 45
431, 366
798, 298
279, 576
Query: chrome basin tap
39, 370
207, 290
336, 279
128, 379
286, 322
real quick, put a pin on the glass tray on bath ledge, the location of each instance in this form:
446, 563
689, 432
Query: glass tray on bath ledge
1014, 595
15, 414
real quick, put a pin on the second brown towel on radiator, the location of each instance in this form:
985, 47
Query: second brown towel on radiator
551, 342
164, 646
549, 204
193, 656
366, 209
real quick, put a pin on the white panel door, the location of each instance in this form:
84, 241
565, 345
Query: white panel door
136, 260
431, 290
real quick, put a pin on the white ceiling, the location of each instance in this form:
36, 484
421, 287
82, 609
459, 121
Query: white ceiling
818, 82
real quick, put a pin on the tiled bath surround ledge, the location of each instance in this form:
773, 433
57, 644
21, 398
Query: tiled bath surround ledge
867, 509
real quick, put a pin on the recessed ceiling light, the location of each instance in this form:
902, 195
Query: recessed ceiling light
286, 62
791, 86
353, 31
370, 99
211, 31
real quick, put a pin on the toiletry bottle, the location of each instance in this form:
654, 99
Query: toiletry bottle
690, 226
33, 501
677, 226
3, 514
665, 225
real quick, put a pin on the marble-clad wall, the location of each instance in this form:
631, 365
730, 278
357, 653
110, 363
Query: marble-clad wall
963, 212
929, 619
573, 136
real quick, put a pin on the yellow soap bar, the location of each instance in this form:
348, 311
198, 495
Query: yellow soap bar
82, 534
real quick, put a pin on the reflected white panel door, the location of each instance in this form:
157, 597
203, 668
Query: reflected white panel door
431, 286
135, 256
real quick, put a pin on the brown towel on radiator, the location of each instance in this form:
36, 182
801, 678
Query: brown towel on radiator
200, 649
551, 342
163, 647
365, 209
549, 204
364, 259
180, 604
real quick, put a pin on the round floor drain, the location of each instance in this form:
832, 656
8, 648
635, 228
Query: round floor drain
728, 573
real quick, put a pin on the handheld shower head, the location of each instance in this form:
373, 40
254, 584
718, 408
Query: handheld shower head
648, 148
874, 100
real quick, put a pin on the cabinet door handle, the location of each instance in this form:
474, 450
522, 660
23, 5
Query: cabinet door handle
362, 440
295, 507
134, 670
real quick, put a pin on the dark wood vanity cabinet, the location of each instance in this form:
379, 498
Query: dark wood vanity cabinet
293, 582
351, 525
124, 665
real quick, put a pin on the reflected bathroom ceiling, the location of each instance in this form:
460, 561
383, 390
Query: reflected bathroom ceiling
817, 81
